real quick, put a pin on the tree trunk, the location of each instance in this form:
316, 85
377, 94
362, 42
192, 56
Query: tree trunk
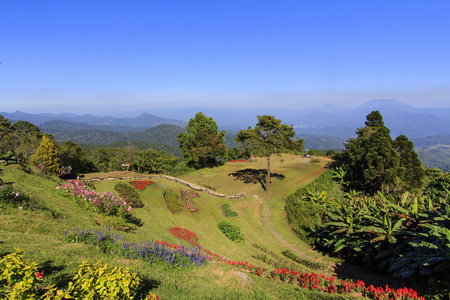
268, 177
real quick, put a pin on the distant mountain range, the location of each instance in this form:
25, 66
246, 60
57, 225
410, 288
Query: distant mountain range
143, 121
328, 120
322, 128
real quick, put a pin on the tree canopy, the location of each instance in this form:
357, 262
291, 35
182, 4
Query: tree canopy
269, 137
373, 161
47, 155
202, 144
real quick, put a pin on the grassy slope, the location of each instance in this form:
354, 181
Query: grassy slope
39, 233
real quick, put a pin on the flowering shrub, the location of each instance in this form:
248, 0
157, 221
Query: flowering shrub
187, 196
102, 203
184, 234
237, 160
172, 201
10, 196
140, 184
154, 251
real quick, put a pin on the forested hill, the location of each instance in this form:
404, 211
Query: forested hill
434, 151
56, 126
161, 137
84, 133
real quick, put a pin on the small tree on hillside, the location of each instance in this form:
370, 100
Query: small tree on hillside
5, 138
202, 144
270, 137
47, 156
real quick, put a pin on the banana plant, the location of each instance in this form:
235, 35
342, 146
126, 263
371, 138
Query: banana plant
385, 233
345, 227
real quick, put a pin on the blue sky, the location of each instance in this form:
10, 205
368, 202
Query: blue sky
103, 57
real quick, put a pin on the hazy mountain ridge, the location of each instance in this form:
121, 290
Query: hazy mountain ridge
330, 120
322, 128
145, 120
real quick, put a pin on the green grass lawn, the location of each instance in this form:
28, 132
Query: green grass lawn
39, 232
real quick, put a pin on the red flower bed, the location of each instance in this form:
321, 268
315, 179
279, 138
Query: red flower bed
327, 284
237, 160
140, 184
184, 234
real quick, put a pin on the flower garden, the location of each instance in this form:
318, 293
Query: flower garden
177, 255
187, 196
140, 184
99, 202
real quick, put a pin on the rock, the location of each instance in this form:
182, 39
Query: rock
244, 278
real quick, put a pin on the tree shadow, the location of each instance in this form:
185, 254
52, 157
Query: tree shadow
60, 279
145, 286
356, 272
255, 176
134, 220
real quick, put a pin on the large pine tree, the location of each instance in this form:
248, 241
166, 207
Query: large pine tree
270, 137
373, 161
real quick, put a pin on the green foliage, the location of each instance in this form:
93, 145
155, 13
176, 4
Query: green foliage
439, 187
373, 161
202, 144
305, 207
227, 212
315, 152
18, 279
270, 137
154, 162
96, 281
13, 197
411, 170
72, 155
47, 156
129, 193
236, 153
5, 135
231, 231
310, 264
172, 200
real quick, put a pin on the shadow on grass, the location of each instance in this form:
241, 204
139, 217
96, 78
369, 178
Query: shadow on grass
60, 279
146, 286
356, 272
134, 220
255, 176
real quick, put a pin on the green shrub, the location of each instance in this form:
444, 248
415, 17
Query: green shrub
10, 196
21, 280
231, 231
172, 200
18, 280
129, 193
96, 281
227, 212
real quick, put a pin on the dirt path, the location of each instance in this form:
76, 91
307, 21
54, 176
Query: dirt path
342, 270
266, 215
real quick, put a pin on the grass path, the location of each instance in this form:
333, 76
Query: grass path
266, 220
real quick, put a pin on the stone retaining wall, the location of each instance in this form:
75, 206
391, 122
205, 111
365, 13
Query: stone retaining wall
189, 184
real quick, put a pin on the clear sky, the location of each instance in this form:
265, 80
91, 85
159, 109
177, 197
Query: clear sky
102, 57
